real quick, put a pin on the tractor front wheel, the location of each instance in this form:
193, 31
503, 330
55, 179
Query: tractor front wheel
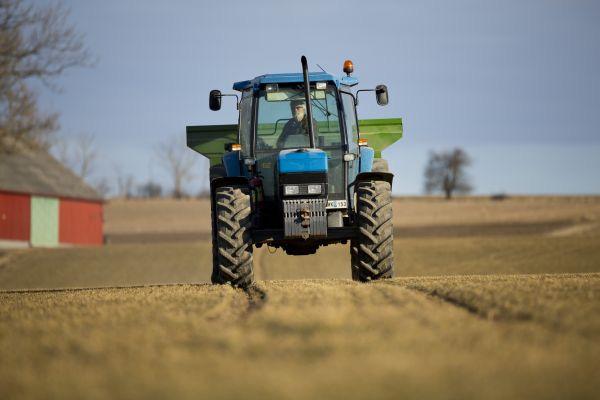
232, 242
372, 256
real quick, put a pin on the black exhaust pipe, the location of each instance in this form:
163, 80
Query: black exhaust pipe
309, 124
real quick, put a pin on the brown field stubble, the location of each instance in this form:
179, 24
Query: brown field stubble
473, 314
496, 339
163, 216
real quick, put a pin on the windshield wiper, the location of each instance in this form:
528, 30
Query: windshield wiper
322, 108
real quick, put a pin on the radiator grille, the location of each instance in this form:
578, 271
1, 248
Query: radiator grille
293, 222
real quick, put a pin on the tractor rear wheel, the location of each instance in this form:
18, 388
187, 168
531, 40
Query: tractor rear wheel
371, 253
215, 171
232, 242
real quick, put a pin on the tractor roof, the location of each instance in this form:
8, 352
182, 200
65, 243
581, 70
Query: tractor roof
293, 78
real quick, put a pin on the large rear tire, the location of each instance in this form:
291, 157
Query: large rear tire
371, 253
232, 241
215, 171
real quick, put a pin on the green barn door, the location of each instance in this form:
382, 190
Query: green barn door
44, 221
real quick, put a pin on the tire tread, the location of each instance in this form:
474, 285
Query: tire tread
232, 242
371, 252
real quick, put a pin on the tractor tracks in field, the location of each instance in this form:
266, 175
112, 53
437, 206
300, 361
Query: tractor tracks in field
260, 270
433, 295
483, 312
470, 308
257, 298
256, 294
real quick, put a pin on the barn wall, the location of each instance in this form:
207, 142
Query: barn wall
80, 222
15, 216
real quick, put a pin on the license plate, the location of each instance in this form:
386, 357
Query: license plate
337, 204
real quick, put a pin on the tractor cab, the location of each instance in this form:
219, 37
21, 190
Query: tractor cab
276, 145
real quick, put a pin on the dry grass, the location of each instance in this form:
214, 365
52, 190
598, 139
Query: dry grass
144, 216
462, 321
561, 302
428, 211
162, 215
138, 264
307, 339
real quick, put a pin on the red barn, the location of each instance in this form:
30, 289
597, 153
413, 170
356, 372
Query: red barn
43, 203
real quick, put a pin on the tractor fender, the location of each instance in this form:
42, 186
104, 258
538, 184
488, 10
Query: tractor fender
231, 161
374, 176
227, 181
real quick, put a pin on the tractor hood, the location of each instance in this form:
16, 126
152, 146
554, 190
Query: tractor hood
302, 160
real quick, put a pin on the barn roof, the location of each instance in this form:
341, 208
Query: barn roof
37, 172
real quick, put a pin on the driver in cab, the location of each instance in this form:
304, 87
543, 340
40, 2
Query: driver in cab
295, 131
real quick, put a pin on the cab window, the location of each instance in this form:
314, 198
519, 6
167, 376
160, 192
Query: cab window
245, 121
350, 118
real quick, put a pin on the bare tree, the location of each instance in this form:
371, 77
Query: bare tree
79, 154
177, 161
21, 123
150, 190
125, 183
445, 172
85, 155
36, 43
102, 186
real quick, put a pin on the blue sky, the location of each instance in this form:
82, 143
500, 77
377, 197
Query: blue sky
515, 83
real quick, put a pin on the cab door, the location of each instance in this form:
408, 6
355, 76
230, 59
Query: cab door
351, 123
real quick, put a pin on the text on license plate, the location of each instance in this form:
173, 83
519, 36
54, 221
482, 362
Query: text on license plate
337, 204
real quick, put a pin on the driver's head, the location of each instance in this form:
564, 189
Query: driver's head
298, 109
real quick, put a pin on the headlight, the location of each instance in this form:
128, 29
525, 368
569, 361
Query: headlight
290, 190
314, 189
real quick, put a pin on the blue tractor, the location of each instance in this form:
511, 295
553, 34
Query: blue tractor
297, 172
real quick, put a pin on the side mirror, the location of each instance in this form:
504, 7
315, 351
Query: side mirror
381, 92
214, 100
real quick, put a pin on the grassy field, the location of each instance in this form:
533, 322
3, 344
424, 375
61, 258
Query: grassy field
491, 300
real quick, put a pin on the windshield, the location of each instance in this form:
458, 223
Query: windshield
282, 122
